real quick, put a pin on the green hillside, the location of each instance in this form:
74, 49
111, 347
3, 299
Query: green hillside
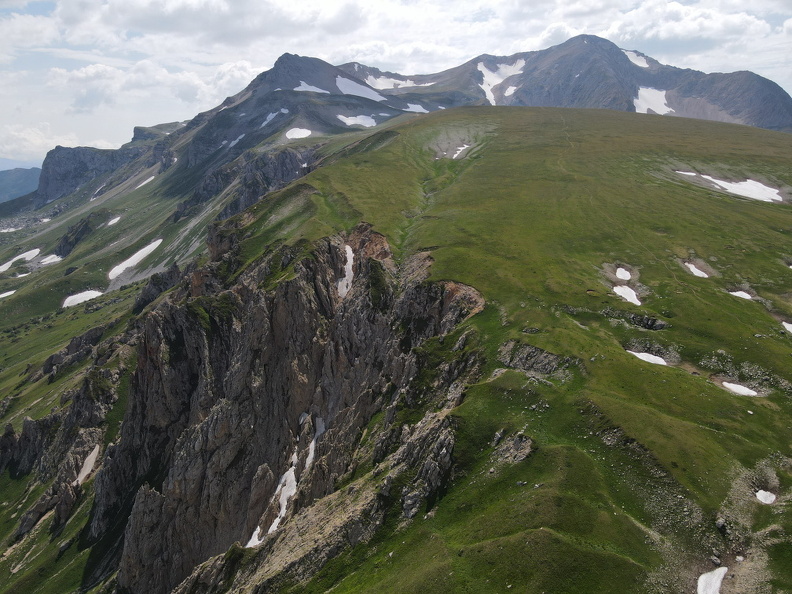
638, 474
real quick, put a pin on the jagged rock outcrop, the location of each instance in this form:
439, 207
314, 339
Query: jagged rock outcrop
66, 169
59, 446
236, 387
157, 284
531, 359
75, 234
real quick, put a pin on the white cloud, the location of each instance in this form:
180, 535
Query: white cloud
21, 142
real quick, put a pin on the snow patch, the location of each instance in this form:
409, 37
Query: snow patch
494, 78
361, 120
27, 256
7, 294
145, 182
345, 283
415, 108
256, 539
87, 466
113, 221
739, 389
135, 259
287, 487
710, 582
459, 150
654, 99
636, 59
748, 189
234, 142
10, 229
304, 86
51, 259
45, 220
320, 428
80, 298
696, 270
385, 82
623, 274
649, 358
627, 294
509, 92
298, 133
349, 87
268, 119
693, 173
787, 326
740, 294
766, 497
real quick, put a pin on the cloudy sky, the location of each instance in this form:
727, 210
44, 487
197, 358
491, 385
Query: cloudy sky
84, 72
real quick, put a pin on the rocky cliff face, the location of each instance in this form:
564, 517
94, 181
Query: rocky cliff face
66, 169
247, 402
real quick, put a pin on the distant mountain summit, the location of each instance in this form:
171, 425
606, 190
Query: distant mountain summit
17, 182
590, 72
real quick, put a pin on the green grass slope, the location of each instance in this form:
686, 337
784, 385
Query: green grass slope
635, 462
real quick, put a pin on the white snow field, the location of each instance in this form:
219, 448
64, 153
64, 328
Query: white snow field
696, 270
272, 116
492, 79
304, 86
636, 59
623, 274
460, 150
87, 466
416, 108
320, 428
748, 189
298, 133
345, 283
627, 294
787, 326
649, 358
51, 259
687, 173
740, 294
27, 256
361, 120
10, 229
234, 142
350, 87
738, 389
145, 182
710, 582
654, 99
80, 298
766, 497
385, 82
7, 294
113, 221
134, 259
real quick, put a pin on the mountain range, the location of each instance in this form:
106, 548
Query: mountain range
351, 330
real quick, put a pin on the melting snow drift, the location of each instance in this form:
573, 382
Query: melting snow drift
494, 78
738, 389
6, 294
627, 294
361, 120
80, 298
135, 259
766, 497
415, 108
696, 271
636, 59
623, 274
298, 133
113, 221
748, 189
710, 582
345, 283
51, 259
27, 256
653, 99
145, 182
349, 87
304, 86
649, 358
740, 294
88, 465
